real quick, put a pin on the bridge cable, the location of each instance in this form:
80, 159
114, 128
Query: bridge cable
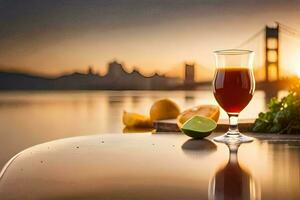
251, 38
289, 31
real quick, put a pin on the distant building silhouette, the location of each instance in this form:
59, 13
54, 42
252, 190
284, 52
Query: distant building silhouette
189, 75
135, 80
115, 70
115, 79
91, 70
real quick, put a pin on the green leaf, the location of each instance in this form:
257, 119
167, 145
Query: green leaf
283, 116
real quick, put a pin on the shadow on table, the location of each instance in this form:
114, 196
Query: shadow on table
194, 147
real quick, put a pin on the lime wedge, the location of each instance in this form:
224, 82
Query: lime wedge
199, 127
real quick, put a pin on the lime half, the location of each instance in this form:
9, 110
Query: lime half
199, 127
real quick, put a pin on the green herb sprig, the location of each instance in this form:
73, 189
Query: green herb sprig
283, 116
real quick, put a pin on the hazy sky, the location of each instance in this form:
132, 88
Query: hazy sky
54, 36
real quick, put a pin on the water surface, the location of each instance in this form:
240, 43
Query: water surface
29, 118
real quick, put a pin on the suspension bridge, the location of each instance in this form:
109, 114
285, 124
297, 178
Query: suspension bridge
271, 73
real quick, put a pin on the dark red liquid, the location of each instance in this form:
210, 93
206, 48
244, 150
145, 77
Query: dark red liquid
233, 88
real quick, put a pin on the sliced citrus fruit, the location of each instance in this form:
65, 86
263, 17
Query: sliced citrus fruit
127, 129
136, 120
199, 127
210, 111
164, 109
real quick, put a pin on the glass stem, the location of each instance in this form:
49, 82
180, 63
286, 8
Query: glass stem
233, 124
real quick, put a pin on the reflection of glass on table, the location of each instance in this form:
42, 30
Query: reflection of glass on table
233, 182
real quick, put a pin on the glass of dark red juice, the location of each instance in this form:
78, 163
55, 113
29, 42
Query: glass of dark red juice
233, 88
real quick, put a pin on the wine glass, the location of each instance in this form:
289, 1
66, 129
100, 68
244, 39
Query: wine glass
233, 88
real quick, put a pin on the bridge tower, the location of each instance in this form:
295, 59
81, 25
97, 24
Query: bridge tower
272, 53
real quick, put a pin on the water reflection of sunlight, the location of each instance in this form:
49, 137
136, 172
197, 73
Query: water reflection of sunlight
233, 181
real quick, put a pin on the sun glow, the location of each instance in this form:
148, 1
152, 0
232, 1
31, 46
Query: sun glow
298, 72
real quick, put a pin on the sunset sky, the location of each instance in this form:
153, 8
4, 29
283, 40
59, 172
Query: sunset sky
57, 36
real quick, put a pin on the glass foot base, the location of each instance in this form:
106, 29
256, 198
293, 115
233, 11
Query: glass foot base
233, 138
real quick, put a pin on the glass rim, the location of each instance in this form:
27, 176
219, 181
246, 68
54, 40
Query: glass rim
233, 52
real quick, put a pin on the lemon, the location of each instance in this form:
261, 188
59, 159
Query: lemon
136, 120
199, 127
164, 109
210, 111
127, 129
